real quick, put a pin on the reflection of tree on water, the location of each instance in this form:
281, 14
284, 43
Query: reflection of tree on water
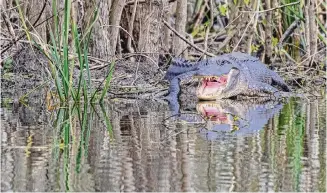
142, 155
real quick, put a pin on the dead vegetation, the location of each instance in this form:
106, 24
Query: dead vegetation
289, 36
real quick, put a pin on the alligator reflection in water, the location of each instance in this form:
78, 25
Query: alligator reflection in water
236, 117
124, 147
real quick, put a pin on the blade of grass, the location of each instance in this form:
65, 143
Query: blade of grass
83, 122
107, 121
56, 58
88, 132
65, 46
321, 25
88, 31
322, 38
22, 18
79, 56
56, 67
108, 79
56, 21
85, 92
86, 46
36, 88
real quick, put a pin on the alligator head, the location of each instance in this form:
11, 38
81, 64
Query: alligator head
214, 83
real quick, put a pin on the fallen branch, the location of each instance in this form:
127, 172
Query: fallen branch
188, 42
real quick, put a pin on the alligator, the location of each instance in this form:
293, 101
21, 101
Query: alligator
227, 76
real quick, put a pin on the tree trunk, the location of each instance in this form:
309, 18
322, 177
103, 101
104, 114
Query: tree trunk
180, 24
32, 10
268, 32
313, 28
166, 36
114, 21
99, 44
147, 28
310, 29
307, 28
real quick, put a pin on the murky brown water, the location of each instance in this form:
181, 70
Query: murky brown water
132, 146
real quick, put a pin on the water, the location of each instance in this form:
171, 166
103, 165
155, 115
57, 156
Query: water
136, 146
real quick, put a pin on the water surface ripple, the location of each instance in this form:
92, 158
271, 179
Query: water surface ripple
133, 146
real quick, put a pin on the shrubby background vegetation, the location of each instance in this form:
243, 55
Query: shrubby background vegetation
287, 34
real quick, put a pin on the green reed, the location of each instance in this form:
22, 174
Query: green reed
66, 48
63, 65
70, 148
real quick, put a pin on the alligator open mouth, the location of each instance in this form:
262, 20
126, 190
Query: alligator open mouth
209, 86
212, 113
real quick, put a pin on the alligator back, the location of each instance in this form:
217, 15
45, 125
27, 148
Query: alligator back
179, 66
259, 71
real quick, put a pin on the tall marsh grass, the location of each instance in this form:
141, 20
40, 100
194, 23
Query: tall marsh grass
66, 48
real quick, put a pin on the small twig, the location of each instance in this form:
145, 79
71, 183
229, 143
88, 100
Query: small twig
188, 42
208, 27
141, 90
118, 26
311, 56
246, 28
289, 31
8, 24
34, 89
136, 72
97, 67
289, 4
200, 15
139, 54
6, 10
143, 1
33, 26
213, 36
133, 2
226, 40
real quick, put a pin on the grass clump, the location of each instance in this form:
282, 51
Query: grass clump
66, 48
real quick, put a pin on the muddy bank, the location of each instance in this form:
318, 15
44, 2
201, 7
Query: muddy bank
29, 69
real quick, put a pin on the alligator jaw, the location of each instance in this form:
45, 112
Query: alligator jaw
210, 86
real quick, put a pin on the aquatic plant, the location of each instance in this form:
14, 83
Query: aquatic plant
67, 47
